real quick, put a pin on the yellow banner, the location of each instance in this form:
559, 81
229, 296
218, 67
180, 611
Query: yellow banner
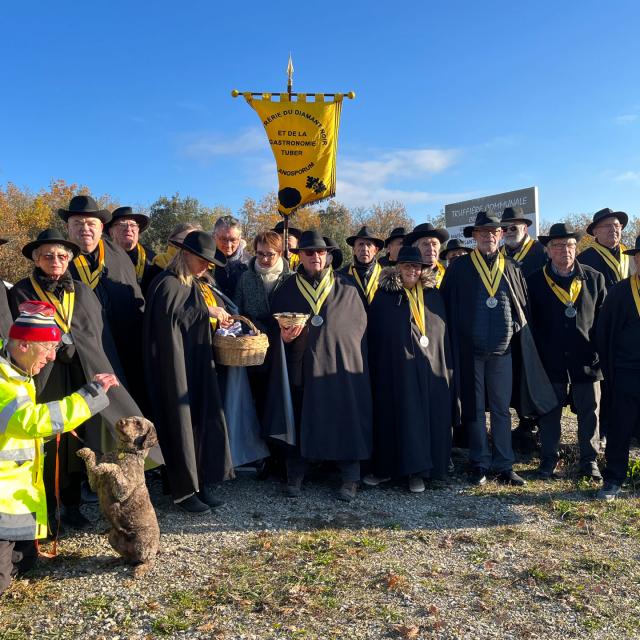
304, 140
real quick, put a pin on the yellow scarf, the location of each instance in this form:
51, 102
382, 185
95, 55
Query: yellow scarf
64, 309
90, 278
635, 283
416, 304
316, 297
440, 274
141, 262
372, 286
163, 259
209, 300
521, 255
294, 261
568, 299
620, 269
490, 277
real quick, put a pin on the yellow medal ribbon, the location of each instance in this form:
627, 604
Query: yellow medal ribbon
141, 262
90, 278
64, 309
440, 274
294, 261
372, 286
416, 304
620, 269
635, 290
522, 254
209, 300
316, 297
568, 299
163, 259
490, 277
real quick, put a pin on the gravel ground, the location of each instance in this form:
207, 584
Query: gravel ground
546, 561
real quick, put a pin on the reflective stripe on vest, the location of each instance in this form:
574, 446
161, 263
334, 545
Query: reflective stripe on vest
18, 455
17, 526
55, 415
22, 398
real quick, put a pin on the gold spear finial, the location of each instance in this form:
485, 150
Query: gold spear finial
290, 76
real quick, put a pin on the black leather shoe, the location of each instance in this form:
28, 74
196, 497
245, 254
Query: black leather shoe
193, 505
591, 471
511, 478
547, 471
207, 496
478, 476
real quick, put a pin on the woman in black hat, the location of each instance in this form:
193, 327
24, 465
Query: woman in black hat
87, 348
181, 315
409, 345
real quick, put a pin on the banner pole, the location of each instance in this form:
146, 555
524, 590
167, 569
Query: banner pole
285, 235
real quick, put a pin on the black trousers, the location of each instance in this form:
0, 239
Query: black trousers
15, 558
625, 419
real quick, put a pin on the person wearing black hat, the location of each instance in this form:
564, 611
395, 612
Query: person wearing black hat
293, 237
607, 253
364, 269
182, 313
487, 307
334, 256
392, 244
453, 249
566, 298
528, 253
429, 239
409, 344
618, 341
107, 270
125, 229
5, 313
320, 370
86, 348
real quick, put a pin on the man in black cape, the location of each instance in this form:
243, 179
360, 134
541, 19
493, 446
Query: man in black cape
493, 349
566, 298
319, 391
411, 383
529, 254
364, 270
6, 319
429, 239
618, 340
107, 269
87, 348
125, 229
183, 382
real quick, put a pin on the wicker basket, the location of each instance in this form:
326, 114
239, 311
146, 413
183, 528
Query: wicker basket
241, 351
287, 320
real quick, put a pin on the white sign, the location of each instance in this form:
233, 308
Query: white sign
459, 215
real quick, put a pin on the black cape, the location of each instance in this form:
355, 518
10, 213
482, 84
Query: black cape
93, 351
535, 259
411, 385
593, 259
120, 296
328, 367
6, 319
183, 386
532, 392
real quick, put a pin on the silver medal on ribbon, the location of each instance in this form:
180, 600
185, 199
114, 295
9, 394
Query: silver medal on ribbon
424, 341
67, 338
317, 321
492, 302
570, 312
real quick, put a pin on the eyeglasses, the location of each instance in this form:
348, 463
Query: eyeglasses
511, 227
127, 224
50, 257
312, 252
46, 347
487, 232
267, 255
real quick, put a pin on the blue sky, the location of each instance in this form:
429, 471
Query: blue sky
455, 99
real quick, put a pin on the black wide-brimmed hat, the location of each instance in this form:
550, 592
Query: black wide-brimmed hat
312, 240
558, 231
127, 212
454, 245
293, 231
398, 232
410, 254
484, 220
425, 230
336, 253
202, 244
601, 215
632, 252
49, 236
515, 214
85, 206
365, 234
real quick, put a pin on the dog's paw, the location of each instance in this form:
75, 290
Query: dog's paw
85, 453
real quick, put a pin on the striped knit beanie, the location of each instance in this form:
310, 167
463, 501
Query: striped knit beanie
36, 323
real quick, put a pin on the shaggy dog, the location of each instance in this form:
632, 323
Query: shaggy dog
124, 499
